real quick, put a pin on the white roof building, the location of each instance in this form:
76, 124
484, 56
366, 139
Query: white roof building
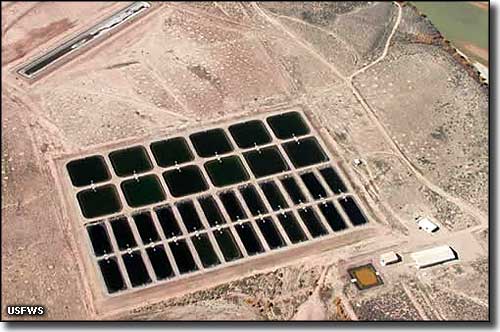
389, 258
427, 225
433, 256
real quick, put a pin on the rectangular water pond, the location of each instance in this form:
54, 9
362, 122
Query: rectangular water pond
130, 161
159, 261
253, 200
266, 161
273, 195
99, 239
232, 205
211, 142
249, 238
270, 233
250, 134
168, 221
333, 180
136, 270
190, 216
227, 244
226, 171
143, 191
313, 185
292, 227
352, 210
211, 211
182, 255
89, 170
123, 233
205, 250
99, 201
365, 276
332, 216
305, 152
171, 152
293, 190
111, 275
288, 125
312, 222
185, 181
146, 227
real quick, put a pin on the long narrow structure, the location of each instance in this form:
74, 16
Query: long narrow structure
433, 256
83, 39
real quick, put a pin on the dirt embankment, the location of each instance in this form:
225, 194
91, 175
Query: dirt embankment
476, 50
480, 4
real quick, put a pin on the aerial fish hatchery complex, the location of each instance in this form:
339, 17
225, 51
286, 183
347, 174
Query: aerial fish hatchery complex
241, 160
183, 205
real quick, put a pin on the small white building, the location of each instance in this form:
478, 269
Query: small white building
389, 258
427, 225
357, 162
433, 256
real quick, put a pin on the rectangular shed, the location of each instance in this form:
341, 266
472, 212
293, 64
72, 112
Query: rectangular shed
427, 225
433, 256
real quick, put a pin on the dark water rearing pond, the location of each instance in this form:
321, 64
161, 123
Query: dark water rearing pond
353, 211
249, 134
205, 250
159, 261
226, 171
86, 171
185, 181
111, 275
142, 191
266, 161
190, 216
99, 239
305, 152
123, 234
253, 200
211, 211
99, 201
171, 152
183, 257
270, 233
288, 125
249, 238
131, 160
232, 205
146, 227
211, 142
293, 190
168, 221
227, 244
292, 228
312, 222
136, 270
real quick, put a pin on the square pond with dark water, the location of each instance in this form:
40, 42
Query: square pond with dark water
226, 171
171, 152
185, 181
211, 142
131, 160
